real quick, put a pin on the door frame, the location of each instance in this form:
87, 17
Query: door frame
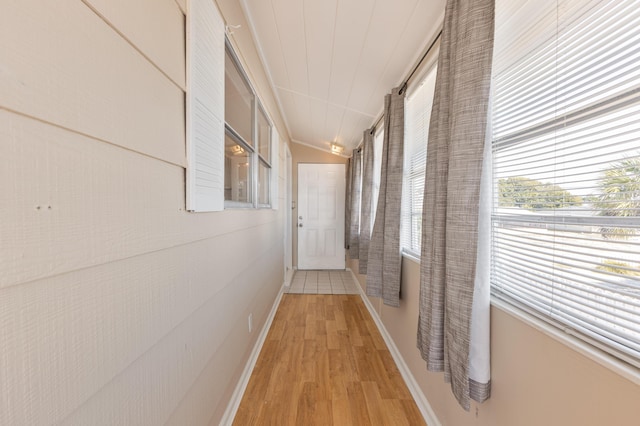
340, 232
288, 213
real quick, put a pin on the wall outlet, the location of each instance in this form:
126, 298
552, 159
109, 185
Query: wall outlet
250, 321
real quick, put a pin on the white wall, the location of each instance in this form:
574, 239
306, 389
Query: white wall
116, 305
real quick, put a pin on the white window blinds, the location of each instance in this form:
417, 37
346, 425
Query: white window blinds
205, 107
377, 171
566, 165
417, 116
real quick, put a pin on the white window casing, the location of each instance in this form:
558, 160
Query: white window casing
566, 167
275, 163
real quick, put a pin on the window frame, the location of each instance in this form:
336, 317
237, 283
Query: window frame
231, 133
261, 161
256, 159
566, 330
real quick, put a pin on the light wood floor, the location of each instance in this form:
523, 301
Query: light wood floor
325, 363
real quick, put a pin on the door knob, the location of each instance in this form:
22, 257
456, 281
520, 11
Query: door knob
299, 225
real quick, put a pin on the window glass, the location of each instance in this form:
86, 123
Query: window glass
417, 116
263, 183
237, 171
239, 100
566, 166
264, 136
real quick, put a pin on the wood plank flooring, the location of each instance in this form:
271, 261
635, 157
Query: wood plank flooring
325, 363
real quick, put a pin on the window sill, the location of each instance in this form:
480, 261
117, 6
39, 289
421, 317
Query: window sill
601, 357
237, 205
410, 256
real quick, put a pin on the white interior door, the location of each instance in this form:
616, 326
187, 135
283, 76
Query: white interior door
321, 216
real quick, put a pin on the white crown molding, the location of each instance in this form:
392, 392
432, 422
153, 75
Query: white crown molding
262, 56
328, 151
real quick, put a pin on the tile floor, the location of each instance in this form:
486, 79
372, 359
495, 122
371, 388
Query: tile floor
323, 282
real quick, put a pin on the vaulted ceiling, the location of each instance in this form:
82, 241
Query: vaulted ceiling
331, 62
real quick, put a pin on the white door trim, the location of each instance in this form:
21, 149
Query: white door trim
288, 205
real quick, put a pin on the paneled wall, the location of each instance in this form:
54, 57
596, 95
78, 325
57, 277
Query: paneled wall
116, 305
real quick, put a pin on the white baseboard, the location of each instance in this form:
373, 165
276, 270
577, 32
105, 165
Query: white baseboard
288, 277
234, 403
421, 400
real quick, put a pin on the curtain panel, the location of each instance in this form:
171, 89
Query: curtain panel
453, 324
366, 207
354, 205
385, 259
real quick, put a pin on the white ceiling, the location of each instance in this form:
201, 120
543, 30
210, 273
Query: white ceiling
331, 62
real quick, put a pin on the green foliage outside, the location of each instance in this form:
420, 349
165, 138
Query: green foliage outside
617, 267
532, 194
619, 195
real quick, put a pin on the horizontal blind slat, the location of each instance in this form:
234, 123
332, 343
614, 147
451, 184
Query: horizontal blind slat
566, 165
417, 116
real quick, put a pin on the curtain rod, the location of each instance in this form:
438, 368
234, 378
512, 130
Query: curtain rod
433, 43
373, 128
406, 81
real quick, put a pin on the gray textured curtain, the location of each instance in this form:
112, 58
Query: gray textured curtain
354, 209
384, 264
367, 195
347, 206
457, 134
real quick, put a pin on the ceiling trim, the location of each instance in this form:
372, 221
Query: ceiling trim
420, 53
413, 64
328, 151
282, 98
261, 55
344, 107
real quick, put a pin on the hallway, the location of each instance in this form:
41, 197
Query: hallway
325, 363
166, 164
